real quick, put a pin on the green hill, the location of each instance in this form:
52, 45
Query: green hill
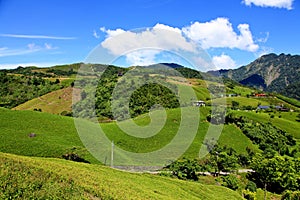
41, 178
54, 102
56, 135
286, 121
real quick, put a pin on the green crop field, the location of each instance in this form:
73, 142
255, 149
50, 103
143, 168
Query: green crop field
44, 178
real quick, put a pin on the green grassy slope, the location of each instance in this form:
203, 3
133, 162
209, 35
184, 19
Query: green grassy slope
54, 102
243, 101
41, 178
56, 135
286, 122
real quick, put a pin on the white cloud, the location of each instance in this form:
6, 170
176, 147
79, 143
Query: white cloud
33, 46
142, 57
96, 35
203, 63
30, 48
49, 46
3, 48
159, 37
223, 62
37, 37
264, 39
287, 4
219, 33
112, 33
263, 51
15, 65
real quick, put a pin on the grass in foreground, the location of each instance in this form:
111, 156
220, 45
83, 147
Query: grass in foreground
41, 178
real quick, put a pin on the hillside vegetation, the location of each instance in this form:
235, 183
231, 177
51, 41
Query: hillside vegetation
40, 178
254, 129
56, 102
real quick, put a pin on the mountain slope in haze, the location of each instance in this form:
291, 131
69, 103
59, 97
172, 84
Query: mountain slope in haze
271, 73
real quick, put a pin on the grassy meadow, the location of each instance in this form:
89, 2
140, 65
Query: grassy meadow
48, 178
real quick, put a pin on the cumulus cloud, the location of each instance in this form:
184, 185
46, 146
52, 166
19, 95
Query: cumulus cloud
160, 36
287, 4
142, 57
223, 62
219, 33
112, 33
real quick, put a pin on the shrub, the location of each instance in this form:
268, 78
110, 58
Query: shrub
290, 195
230, 181
74, 157
249, 195
185, 169
251, 186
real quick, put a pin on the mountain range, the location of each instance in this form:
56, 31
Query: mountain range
270, 73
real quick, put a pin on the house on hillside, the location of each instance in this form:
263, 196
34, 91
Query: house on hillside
260, 107
232, 95
261, 95
198, 103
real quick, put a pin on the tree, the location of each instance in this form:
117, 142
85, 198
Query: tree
265, 171
235, 104
230, 181
223, 159
185, 169
277, 174
217, 116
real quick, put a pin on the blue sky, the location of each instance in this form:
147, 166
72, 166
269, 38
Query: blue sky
232, 32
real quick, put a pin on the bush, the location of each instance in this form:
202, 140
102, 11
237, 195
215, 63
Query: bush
74, 157
251, 186
185, 169
249, 195
290, 195
230, 181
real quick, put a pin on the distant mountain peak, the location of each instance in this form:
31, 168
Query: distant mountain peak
270, 72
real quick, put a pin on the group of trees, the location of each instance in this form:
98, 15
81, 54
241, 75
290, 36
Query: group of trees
269, 138
276, 168
276, 174
15, 90
119, 98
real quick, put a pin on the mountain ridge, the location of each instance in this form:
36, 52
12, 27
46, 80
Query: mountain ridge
270, 73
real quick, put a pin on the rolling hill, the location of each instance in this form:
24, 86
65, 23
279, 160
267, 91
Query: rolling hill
56, 135
25, 132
